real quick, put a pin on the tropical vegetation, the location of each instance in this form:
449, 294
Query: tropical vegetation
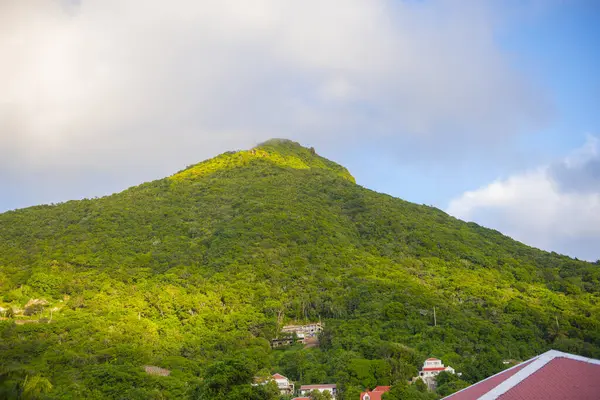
197, 272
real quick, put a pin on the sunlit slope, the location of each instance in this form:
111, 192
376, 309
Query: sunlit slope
204, 265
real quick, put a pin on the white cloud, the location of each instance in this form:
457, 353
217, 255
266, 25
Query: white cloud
152, 85
542, 207
113, 68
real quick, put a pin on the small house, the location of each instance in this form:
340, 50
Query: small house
431, 368
375, 394
286, 387
331, 388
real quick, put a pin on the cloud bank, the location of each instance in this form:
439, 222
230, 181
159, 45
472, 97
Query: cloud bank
103, 85
555, 207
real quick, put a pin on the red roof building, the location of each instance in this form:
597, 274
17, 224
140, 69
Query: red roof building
434, 366
553, 375
375, 394
431, 368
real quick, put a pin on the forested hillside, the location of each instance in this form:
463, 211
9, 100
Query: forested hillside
197, 272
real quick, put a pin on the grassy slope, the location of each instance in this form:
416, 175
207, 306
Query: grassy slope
197, 268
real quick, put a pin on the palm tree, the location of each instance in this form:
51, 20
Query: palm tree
33, 387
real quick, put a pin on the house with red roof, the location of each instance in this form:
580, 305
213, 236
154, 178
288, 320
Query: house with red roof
431, 368
553, 375
375, 394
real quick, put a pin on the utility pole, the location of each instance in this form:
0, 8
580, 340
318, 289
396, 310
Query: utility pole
557, 325
434, 319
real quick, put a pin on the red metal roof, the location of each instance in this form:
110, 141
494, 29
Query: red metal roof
561, 378
433, 359
551, 376
433, 369
278, 376
484, 386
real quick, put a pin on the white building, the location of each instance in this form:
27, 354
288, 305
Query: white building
331, 388
284, 384
431, 368
303, 330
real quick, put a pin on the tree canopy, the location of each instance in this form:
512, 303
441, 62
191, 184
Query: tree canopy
197, 272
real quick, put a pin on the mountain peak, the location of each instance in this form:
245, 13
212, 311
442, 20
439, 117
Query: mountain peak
281, 142
285, 147
281, 152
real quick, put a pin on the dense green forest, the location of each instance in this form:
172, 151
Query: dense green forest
197, 272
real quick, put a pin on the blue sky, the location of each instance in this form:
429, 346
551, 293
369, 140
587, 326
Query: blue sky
489, 110
559, 49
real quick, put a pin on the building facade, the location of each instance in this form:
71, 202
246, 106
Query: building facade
303, 330
285, 386
431, 368
306, 389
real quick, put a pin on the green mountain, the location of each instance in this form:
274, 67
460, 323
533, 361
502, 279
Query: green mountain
197, 272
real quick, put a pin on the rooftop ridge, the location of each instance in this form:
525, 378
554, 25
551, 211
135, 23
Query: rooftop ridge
556, 354
520, 365
520, 376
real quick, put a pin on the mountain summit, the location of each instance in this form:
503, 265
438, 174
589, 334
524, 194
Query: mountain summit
278, 152
176, 288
